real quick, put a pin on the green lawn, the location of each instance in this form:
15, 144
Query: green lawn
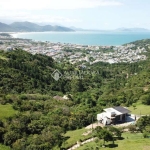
140, 109
6, 111
74, 136
133, 141
3, 147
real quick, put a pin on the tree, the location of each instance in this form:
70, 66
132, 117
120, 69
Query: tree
146, 132
76, 85
143, 122
145, 99
105, 135
10, 137
134, 106
115, 131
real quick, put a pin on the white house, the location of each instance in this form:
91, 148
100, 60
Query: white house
113, 115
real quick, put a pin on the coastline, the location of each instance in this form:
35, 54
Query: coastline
57, 50
83, 37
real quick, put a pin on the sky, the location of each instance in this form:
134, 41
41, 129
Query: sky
87, 14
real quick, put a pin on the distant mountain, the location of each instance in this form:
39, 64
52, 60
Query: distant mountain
77, 29
60, 28
31, 27
55, 28
116, 30
132, 30
5, 28
26, 26
81, 29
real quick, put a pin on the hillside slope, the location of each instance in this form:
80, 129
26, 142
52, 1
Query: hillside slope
5, 28
31, 27
22, 72
41, 121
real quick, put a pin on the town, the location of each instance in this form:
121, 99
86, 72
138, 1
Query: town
75, 53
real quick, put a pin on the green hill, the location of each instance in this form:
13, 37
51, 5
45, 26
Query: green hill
22, 72
27, 87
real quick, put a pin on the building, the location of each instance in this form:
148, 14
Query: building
9, 48
113, 115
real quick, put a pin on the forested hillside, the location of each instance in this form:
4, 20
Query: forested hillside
41, 120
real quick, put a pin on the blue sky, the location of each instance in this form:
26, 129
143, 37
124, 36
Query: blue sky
89, 14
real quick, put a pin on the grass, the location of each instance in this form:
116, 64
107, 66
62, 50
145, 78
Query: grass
3, 58
6, 111
130, 142
136, 141
74, 136
140, 109
3, 147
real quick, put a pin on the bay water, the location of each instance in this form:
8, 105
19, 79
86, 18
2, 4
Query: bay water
86, 37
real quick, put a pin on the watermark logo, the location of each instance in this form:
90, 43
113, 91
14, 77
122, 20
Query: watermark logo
72, 74
56, 75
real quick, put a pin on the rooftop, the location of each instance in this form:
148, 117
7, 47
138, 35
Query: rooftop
117, 110
121, 109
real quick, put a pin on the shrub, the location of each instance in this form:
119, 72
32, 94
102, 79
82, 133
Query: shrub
132, 128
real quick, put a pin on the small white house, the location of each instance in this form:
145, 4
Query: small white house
113, 115
9, 48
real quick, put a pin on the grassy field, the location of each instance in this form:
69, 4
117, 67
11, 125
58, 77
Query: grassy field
6, 111
140, 109
3, 147
136, 141
133, 141
74, 136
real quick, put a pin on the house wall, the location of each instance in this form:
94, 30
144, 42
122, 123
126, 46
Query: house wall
117, 119
124, 117
120, 118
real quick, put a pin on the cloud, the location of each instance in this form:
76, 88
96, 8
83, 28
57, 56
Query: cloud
40, 10
51, 19
26, 16
55, 4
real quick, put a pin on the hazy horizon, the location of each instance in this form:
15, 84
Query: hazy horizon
86, 14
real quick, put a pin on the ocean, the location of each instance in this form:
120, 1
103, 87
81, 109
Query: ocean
86, 38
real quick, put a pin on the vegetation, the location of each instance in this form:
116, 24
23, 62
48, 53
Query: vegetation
37, 120
144, 126
130, 141
140, 109
73, 136
107, 134
6, 111
3, 147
